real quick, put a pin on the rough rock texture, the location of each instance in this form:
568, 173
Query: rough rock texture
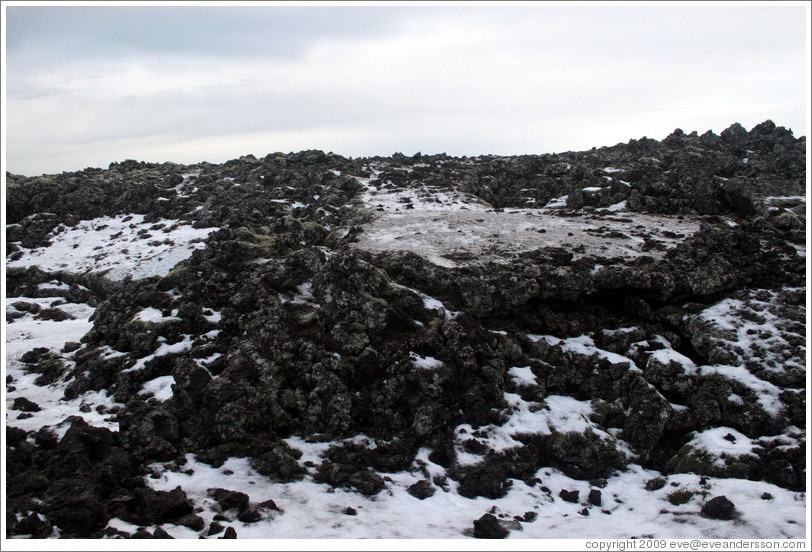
280, 326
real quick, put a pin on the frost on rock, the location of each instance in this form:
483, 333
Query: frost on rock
764, 330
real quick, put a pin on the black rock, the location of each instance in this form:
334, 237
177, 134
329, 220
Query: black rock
73, 505
71, 346
162, 506
367, 482
192, 521
719, 507
215, 528
594, 497
249, 515
655, 484
23, 404
269, 505
350, 511
569, 496
160, 533
229, 499
488, 527
142, 533
15, 436
230, 533
422, 489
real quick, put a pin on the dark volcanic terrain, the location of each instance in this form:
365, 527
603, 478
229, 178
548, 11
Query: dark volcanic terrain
599, 344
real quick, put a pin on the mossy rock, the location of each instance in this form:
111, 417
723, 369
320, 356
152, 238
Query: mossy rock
701, 462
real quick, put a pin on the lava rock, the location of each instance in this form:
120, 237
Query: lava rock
230, 533
422, 489
594, 497
24, 405
655, 484
215, 528
488, 527
192, 521
229, 499
719, 507
569, 496
249, 515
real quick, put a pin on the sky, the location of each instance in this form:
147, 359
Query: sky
89, 85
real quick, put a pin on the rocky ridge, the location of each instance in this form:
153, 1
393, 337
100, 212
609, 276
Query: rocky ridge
682, 352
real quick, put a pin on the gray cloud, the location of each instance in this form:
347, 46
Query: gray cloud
87, 86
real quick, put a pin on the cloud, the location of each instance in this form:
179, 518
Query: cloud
87, 86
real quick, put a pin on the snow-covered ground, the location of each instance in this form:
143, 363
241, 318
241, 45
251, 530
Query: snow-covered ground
627, 509
26, 333
315, 511
464, 229
118, 246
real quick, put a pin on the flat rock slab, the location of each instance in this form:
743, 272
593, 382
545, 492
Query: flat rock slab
465, 237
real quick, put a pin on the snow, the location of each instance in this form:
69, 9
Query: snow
615, 207
584, 345
523, 376
430, 303
305, 294
557, 413
53, 285
163, 350
425, 363
212, 316
154, 316
667, 356
557, 202
119, 246
754, 328
628, 510
611, 170
160, 388
26, 333
766, 393
721, 442
464, 237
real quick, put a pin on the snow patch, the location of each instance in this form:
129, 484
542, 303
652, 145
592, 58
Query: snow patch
119, 247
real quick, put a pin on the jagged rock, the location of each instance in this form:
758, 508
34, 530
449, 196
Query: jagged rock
161, 506
719, 507
24, 405
488, 527
594, 497
160, 533
230, 533
215, 528
227, 499
655, 484
422, 489
294, 330
192, 521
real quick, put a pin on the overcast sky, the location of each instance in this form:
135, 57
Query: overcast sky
89, 85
